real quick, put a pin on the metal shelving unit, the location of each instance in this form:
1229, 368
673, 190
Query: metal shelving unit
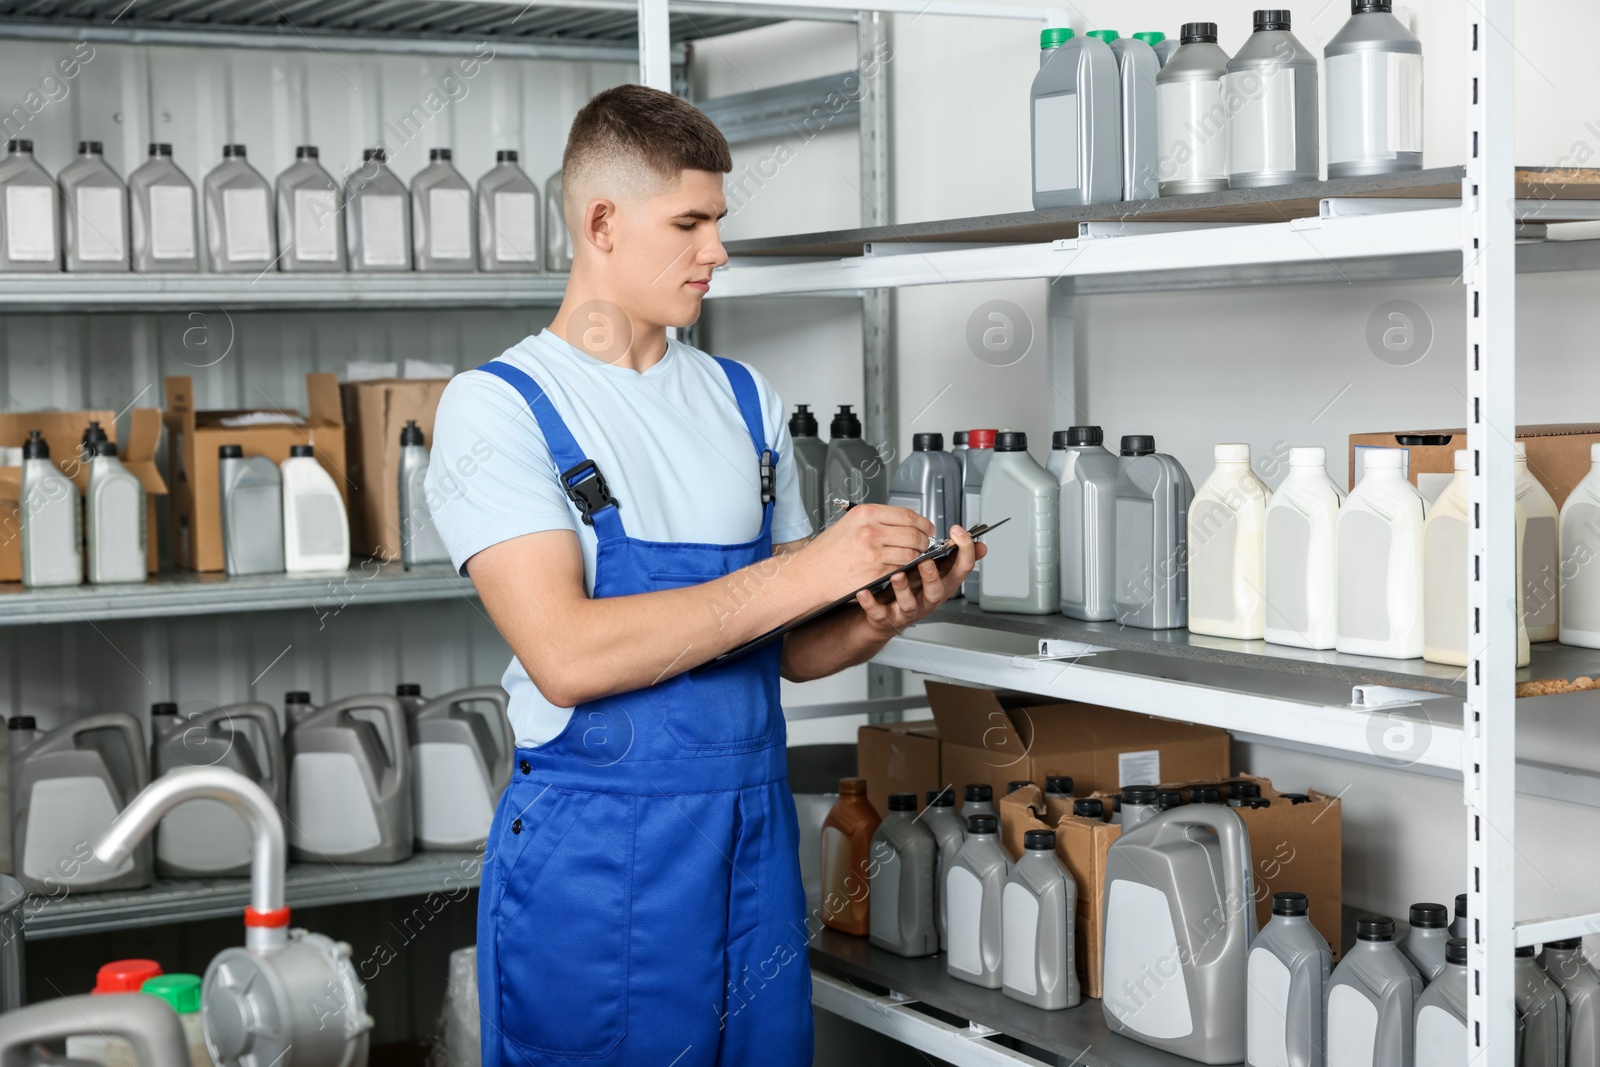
80, 293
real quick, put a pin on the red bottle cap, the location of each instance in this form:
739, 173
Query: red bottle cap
980, 438
125, 976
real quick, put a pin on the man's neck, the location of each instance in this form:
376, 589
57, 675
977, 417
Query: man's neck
599, 326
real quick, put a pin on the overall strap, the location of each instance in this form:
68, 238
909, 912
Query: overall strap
744, 391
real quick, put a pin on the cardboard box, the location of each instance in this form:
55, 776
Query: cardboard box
63, 432
1558, 455
375, 411
193, 438
898, 757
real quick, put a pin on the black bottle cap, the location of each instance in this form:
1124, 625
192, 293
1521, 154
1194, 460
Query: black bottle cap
1253, 803
35, 447
845, 423
411, 434
155, 149
1138, 444
297, 696
981, 824
902, 802
958, 438
1565, 943
21, 144
166, 149
927, 442
1418, 440
1085, 435
1367, 7
233, 151
369, 154
1059, 785
1058, 440
1276, 18
1290, 904
1243, 790
301, 451
1374, 928
979, 792
408, 689
1089, 808
21, 722
1020, 783
165, 707
1205, 794
1295, 798
505, 155
93, 432
1138, 794
230, 452
1198, 33
1168, 799
802, 423
436, 154
83, 147
1430, 916
1010, 441
1455, 950
1040, 840
105, 448
1461, 905
941, 798
1527, 951
306, 151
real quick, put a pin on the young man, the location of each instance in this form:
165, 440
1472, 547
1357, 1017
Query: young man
628, 509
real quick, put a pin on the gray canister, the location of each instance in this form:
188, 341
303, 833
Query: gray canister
1441, 1023
1086, 473
205, 838
949, 833
310, 232
30, 213
1271, 91
1541, 1014
147, 1027
1139, 804
1458, 925
1288, 979
252, 512
1039, 957
1152, 532
349, 783
557, 238
854, 470
442, 231
377, 215
1160, 43
508, 217
1424, 943
1191, 121
164, 215
810, 463
978, 800
958, 449
980, 450
1374, 90
1076, 128
929, 482
13, 972
904, 857
95, 212
419, 538
1089, 808
1564, 963
240, 237
1372, 1000
461, 753
975, 894
1024, 570
1137, 68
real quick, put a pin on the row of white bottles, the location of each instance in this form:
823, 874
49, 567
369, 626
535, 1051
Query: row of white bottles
56, 536
1580, 559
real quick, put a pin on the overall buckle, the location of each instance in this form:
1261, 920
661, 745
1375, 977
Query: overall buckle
589, 492
769, 477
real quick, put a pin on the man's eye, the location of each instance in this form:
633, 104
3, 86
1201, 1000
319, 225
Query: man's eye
686, 227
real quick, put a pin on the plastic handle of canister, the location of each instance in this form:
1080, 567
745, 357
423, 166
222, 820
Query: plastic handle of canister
268, 748
148, 1024
1238, 880
132, 738
499, 725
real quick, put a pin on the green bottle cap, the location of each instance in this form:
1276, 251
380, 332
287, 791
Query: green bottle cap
182, 991
1150, 37
1054, 37
1105, 35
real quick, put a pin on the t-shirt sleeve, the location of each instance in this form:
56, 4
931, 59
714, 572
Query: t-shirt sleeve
789, 520
490, 473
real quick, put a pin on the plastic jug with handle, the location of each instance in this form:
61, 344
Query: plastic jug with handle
904, 857
350, 783
148, 1025
460, 764
1541, 1013
1038, 958
205, 838
1564, 963
1425, 942
975, 901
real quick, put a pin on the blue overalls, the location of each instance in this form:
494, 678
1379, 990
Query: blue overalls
641, 901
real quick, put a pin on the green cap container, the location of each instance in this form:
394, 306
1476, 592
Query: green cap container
1054, 37
1150, 37
1105, 35
182, 991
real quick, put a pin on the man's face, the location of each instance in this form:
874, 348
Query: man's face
665, 246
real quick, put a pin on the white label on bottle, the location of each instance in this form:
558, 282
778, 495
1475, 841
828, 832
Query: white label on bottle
1262, 136
31, 223
383, 231
316, 225
1192, 129
244, 225
1019, 939
515, 235
1139, 768
450, 219
1055, 142
1267, 1011
964, 920
1405, 102
100, 224
1441, 1038
1141, 944
1352, 1028
171, 222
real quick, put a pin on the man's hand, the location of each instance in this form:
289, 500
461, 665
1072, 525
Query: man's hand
910, 604
863, 545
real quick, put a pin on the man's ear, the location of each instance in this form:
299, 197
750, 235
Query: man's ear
599, 220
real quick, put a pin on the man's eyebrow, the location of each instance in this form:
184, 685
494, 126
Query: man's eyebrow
696, 213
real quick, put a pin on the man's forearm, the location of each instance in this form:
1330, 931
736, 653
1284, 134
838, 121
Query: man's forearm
842, 639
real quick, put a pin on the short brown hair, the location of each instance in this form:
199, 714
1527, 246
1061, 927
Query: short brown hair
664, 133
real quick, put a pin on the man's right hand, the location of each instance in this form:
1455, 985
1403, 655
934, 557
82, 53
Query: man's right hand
861, 546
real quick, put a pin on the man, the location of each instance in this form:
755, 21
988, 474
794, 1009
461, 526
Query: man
615, 498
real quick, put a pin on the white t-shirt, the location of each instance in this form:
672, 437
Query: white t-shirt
670, 442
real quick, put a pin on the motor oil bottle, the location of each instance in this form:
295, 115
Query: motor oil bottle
461, 762
1179, 901
1152, 523
1372, 1000
377, 216
1288, 979
419, 538
182, 994
1163, 46
296, 706
1563, 962
316, 530
252, 512
810, 463
980, 450
97, 1045
1379, 565
1226, 560
1444, 573
975, 895
557, 238
1058, 785
350, 783
928, 481
1077, 151
1441, 1023
1086, 473
1458, 925
96, 212
978, 799
1016, 784
310, 231
1272, 83
958, 449
52, 531
1167, 799
949, 832
1039, 908
1024, 571
1541, 1014
1191, 121
1137, 67
238, 205
508, 217
30, 213
1579, 607
164, 216
1541, 522
1424, 943
115, 519
442, 231
1089, 808
206, 838
1138, 805
1302, 522
846, 859
854, 470
904, 855
1374, 90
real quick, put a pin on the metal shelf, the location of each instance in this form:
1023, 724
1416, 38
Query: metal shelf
186, 593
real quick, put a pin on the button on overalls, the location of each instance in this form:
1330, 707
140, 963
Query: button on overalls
641, 901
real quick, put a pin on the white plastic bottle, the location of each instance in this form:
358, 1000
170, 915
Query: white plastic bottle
1301, 575
1380, 562
316, 531
1226, 523
1541, 521
115, 511
52, 528
1580, 559
96, 212
1445, 619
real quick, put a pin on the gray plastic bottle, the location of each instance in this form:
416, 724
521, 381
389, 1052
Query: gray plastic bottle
949, 833
419, 538
978, 800
1372, 1000
1087, 475
442, 230
1441, 1023
958, 449
164, 215
147, 1029
980, 450
377, 216
114, 520
810, 462
1152, 524
557, 239
95, 210
1563, 961
904, 856
297, 705
461, 761
240, 236
1160, 43
1458, 925
1024, 571
1137, 67
252, 512
52, 524
929, 482
508, 217
1039, 955
310, 231
1288, 980
975, 895
1191, 121
854, 470
1076, 122
1089, 808
1424, 943
1373, 74
1541, 1014
30, 213
1139, 804
349, 787
206, 838
1272, 136
1179, 918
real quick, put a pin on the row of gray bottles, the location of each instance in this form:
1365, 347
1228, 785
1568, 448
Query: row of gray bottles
844, 468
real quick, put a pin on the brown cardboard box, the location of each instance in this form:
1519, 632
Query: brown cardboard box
898, 757
193, 438
1558, 455
375, 412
